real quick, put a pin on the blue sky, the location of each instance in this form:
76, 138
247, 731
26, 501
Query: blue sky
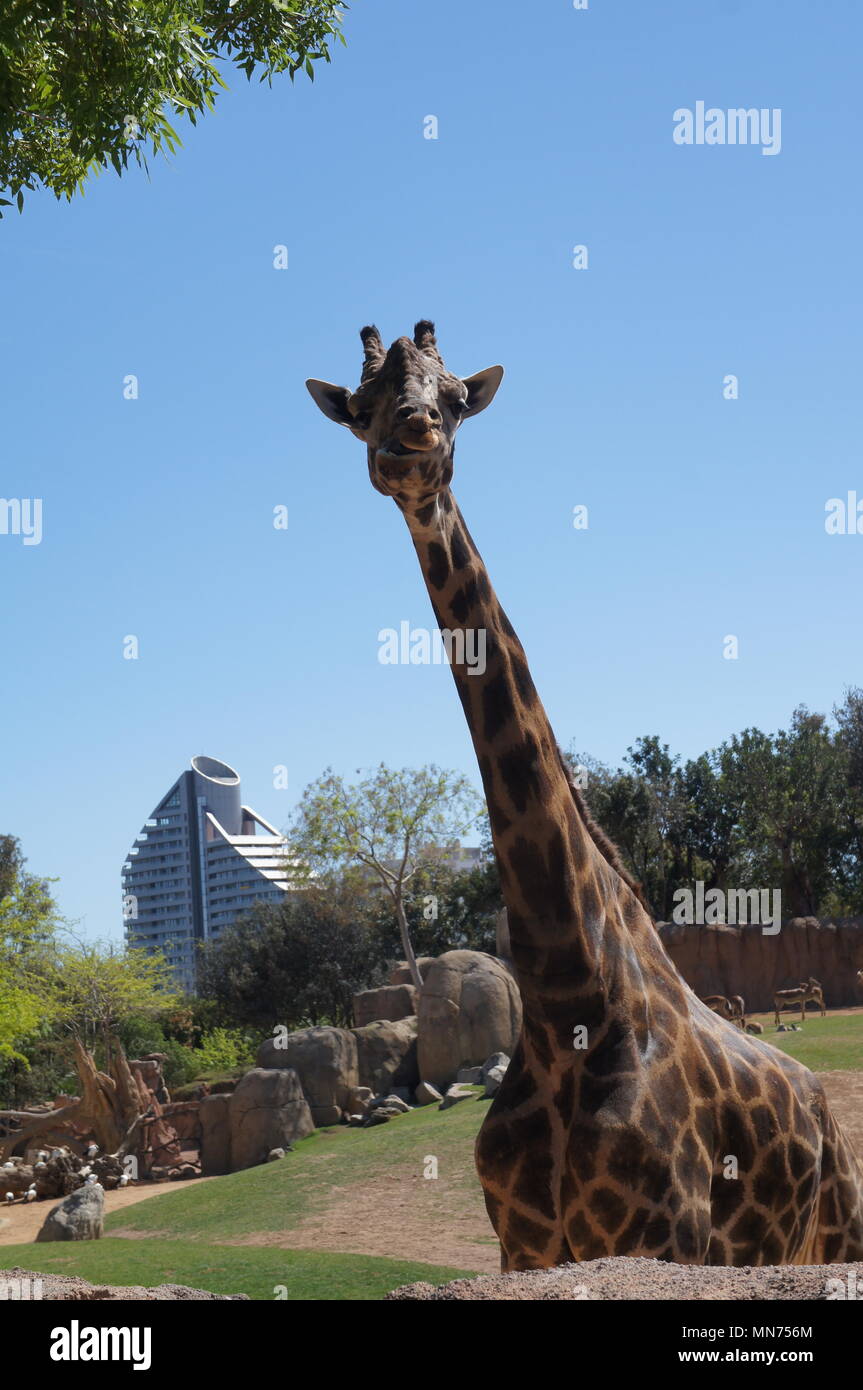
259, 646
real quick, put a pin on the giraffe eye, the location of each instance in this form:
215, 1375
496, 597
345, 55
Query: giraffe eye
458, 407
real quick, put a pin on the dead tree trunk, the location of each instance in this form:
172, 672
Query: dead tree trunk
111, 1106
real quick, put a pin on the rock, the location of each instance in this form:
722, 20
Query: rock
359, 1100
426, 1094
754, 1028
215, 1135
633, 1278
468, 1009
470, 1076
389, 1003
325, 1060
149, 1071
493, 1077
387, 1055
185, 1117
497, 1059
394, 1103
356, 1121
275, 1154
742, 960
19, 1178
381, 1116
184, 1172
267, 1111
454, 1095
324, 1115
80, 1216
62, 1288
401, 975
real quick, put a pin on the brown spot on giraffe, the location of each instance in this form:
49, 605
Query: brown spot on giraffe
672, 1133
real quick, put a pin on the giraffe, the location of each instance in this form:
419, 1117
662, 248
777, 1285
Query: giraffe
626, 1096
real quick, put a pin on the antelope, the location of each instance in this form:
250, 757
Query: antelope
801, 995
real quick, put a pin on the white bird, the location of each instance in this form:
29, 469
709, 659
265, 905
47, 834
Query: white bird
92, 1181
10, 1197
40, 1164
92, 1150
30, 1194
8, 1167
124, 1179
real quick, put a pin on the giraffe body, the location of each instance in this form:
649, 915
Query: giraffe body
632, 1120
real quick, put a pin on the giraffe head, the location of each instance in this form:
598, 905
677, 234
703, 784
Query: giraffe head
406, 410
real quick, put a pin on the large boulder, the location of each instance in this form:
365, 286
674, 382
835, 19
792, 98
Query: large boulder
267, 1111
401, 971
469, 1008
185, 1116
80, 1216
390, 1002
215, 1135
427, 1095
387, 1055
325, 1060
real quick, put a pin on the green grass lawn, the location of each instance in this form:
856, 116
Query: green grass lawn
834, 1043
182, 1232
258, 1272
278, 1196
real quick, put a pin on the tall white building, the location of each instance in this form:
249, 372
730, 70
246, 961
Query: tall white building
200, 860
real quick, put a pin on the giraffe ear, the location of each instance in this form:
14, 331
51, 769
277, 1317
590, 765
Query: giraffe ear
332, 400
481, 389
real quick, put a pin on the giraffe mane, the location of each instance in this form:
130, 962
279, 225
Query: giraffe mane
606, 846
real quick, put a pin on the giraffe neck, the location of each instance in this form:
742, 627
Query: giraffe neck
567, 906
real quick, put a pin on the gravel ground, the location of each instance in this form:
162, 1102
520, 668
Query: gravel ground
625, 1277
60, 1286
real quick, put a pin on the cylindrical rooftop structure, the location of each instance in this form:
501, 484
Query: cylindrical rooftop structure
220, 784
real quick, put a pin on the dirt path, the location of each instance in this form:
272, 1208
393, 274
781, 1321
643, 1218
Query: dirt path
401, 1217
22, 1221
845, 1094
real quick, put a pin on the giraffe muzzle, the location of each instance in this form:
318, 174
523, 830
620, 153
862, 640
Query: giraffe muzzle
409, 444
421, 443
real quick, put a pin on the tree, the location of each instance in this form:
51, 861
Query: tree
88, 85
642, 808
792, 793
28, 921
96, 987
849, 747
298, 962
448, 909
392, 822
